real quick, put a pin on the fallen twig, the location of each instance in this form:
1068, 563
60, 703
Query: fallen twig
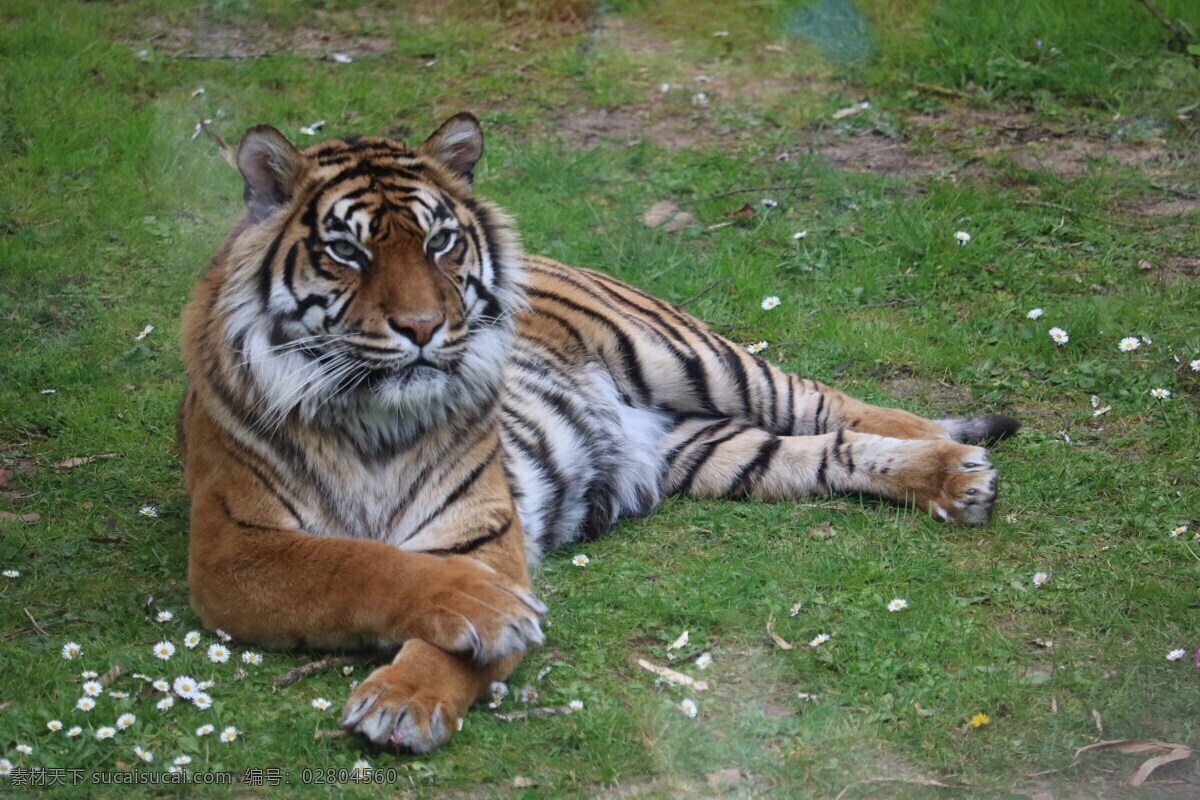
540, 711
944, 91
312, 668
34, 622
672, 675
698, 651
906, 781
114, 672
783, 645
1176, 31
320, 734
702, 292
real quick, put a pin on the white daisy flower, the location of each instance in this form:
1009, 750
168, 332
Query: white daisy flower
229, 734
161, 685
798, 235
11, 573
144, 755
703, 661
204, 686
218, 654
146, 331
819, 639
757, 347
75, 731
71, 650
88, 675
581, 560
202, 701
6, 768
1160, 394
253, 659
342, 58
769, 303
528, 694
807, 697
118, 695
1146, 339
85, 704
575, 705
198, 91
92, 688
795, 612
1178, 530
164, 616
165, 704
1034, 313
54, 725
24, 749
1059, 336
148, 511
185, 686
1101, 411
106, 732
125, 720
223, 636
1175, 655
1129, 344
320, 703
205, 730
182, 761
1195, 364
1040, 578
348, 670
688, 707
191, 639
361, 770
899, 604
700, 99
164, 650
49, 391
962, 236
174, 770
768, 202
499, 689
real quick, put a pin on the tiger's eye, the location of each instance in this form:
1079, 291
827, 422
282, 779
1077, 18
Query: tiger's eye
438, 241
344, 250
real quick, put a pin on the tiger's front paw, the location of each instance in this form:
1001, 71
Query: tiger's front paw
963, 485
474, 611
392, 707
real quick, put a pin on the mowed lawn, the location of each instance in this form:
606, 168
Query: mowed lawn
912, 180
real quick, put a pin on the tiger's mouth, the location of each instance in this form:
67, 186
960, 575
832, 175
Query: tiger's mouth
422, 370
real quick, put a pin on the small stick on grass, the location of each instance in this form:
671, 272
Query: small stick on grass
320, 734
540, 711
34, 622
672, 675
698, 651
114, 672
310, 669
702, 292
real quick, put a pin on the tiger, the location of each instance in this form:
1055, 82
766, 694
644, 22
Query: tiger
391, 414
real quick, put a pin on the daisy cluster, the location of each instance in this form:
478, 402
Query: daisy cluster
163, 703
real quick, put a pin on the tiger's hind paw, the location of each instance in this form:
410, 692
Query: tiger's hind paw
966, 488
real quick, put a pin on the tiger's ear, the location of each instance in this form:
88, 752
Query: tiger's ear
458, 144
271, 168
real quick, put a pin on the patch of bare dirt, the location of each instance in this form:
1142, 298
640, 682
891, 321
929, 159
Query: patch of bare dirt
1163, 207
630, 126
1071, 156
208, 39
935, 394
873, 153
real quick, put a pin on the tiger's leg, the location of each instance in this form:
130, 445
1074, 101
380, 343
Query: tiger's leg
416, 701
709, 457
662, 357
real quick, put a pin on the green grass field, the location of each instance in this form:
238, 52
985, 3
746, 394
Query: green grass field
1062, 136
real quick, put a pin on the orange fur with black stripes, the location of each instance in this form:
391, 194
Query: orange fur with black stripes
392, 411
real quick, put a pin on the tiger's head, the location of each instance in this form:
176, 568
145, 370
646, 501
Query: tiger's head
366, 281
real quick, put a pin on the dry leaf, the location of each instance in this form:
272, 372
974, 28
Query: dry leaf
851, 110
540, 711
1174, 752
778, 639
678, 643
4, 478
745, 211
667, 216
823, 531
78, 461
724, 779
8, 516
1145, 266
672, 675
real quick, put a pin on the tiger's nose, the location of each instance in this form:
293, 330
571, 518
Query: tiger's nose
418, 330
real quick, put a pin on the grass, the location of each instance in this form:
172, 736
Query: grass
1075, 172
